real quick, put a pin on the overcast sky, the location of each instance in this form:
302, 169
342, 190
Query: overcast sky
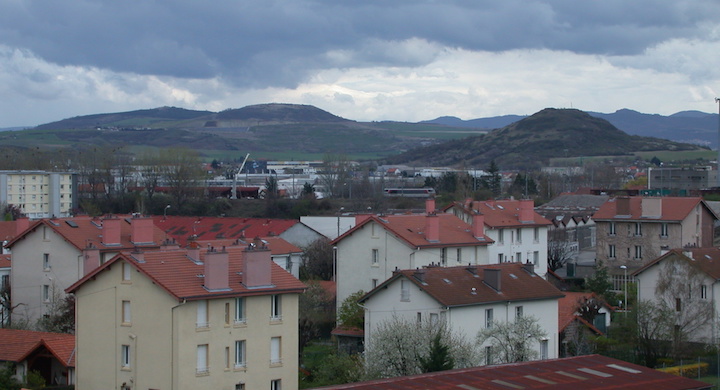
360, 59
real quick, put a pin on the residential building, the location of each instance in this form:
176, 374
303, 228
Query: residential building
690, 280
52, 355
572, 213
631, 231
468, 298
188, 319
581, 316
519, 233
376, 246
681, 179
52, 254
589, 372
40, 194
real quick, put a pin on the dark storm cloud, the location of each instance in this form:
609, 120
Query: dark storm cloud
278, 43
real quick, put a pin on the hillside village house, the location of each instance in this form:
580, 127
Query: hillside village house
52, 254
695, 277
631, 231
518, 232
39, 194
225, 318
376, 246
581, 316
469, 299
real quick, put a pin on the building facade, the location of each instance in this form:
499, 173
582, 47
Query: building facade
188, 319
40, 194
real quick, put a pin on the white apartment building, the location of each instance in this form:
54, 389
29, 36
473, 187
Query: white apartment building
40, 194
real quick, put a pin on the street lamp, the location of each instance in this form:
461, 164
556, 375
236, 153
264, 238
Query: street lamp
717, 100
165, 212
624, 268
338, 220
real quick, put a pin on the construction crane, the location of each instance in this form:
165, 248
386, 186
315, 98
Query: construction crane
234, 184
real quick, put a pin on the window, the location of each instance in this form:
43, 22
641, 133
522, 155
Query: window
202, 314
518, 311
543, 349
227, 358
678, 304
276, 309
458, 255
374, 283
125, 356
126, 314
501, 238
227, 313
275, 351
500, 258
434, 318
404, 291
240, 354
275, 384
239, 310
488, 355
536, 235
611, 229
519, 235
46, 261
611, 251
638, 252
375, 257
536, 257
202, 367
488, 318
664, 229
518, 257
46, 293
5, 282
443, 256
703, 292
638, 228
288, 264
127, 272
419, 318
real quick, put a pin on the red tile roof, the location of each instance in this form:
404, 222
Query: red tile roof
568, 309
5, 261
16, 345
211, 228
589, 372
277, 245
411, 229
673, 209
461, 286
7, 230
499, 213
79, 231
707, 259
173, 271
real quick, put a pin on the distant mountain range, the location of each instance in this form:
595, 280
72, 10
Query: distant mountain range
686, 126
290, 131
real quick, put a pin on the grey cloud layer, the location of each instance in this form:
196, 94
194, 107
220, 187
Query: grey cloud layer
278, 43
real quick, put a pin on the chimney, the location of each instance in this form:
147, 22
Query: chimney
432, 228
622, 205
419, 274
257, 265
529, 268
141, 229
217, 270
193, 251
527, 212
651, 207
492, 278
91, 258
111, 231
430, 206
478, 225
169, 244
21, 224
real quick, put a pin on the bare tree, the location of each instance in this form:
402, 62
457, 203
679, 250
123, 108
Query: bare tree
182, 169
336, 174
559, 248
398, 347
318, 260
511, 342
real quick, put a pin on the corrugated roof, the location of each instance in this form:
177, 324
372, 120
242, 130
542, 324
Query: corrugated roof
179, 276
211, 228
16, 345
673, 209
460, 286
411, 229
589, 372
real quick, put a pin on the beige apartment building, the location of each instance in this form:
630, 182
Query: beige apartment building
40, 194
188, 319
